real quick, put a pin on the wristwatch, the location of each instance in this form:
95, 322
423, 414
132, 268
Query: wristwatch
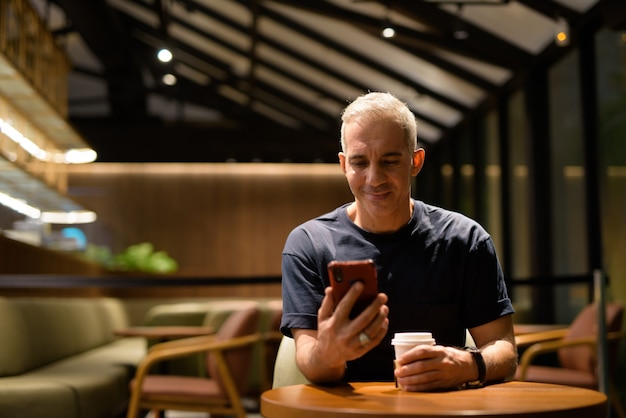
482, 369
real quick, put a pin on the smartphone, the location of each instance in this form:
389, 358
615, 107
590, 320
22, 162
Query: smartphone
344, 274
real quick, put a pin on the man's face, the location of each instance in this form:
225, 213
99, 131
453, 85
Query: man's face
378, 166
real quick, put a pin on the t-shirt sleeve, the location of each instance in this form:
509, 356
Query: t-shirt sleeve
302, 284
487, 298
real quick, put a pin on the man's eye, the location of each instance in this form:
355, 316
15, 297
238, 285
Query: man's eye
390, 162
359, 164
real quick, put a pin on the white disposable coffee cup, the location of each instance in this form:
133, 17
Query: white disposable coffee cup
404, 341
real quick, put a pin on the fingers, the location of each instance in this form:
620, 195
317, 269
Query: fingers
375, 330
365, 331
427, 368
378, 327
328, 306
347, 302
419, 355
416, 370
343, 308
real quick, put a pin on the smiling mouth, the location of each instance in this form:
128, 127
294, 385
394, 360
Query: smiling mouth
378, 194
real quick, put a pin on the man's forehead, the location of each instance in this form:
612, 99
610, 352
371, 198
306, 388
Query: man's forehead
383, 145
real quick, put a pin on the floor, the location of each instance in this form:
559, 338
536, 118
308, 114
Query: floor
251, 404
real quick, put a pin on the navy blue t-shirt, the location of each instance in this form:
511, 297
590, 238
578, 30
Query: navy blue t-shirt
440, 272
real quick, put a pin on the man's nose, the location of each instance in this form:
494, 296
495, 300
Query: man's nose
375, 175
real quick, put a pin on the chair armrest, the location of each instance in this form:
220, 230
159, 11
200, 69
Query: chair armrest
186, 346
535, 337
616, 335
182, 342
179, 348
539, 348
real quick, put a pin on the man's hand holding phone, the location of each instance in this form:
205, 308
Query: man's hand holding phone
322, 354
343, 276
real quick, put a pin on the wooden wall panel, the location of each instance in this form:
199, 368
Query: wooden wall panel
216, 220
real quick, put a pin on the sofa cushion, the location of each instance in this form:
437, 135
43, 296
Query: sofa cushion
22, 397
60, 327
98, 377
15, 350
101, 390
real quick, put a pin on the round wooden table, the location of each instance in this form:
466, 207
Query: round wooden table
511, 399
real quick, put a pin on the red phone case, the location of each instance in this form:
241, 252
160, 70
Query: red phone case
345, 273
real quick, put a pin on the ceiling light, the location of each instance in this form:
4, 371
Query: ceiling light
68, 218
19, 206
164, 55
561, 32
71, 156
31, 196
77, 216
169, 79
388, 32
79, 156
460, 32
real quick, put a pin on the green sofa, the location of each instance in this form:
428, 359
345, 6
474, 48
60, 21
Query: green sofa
59, 358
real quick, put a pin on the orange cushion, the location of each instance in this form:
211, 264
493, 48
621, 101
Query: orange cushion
189, 388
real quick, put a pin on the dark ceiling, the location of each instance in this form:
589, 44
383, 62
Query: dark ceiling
266, 80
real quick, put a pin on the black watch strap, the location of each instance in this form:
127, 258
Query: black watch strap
482, 369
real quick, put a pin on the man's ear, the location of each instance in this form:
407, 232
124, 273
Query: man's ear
342, 161
418, 161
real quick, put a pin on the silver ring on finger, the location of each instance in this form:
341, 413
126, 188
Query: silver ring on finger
364, 339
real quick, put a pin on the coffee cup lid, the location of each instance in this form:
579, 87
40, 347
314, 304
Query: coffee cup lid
395, 341
412, 336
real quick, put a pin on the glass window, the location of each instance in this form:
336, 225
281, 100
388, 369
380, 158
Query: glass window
611, 73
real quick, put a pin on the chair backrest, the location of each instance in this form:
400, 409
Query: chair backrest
272, 345
286, 372
583, 357
239, 361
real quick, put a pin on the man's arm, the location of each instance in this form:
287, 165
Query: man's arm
322, 355
312, 361
426, 368
496, 342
